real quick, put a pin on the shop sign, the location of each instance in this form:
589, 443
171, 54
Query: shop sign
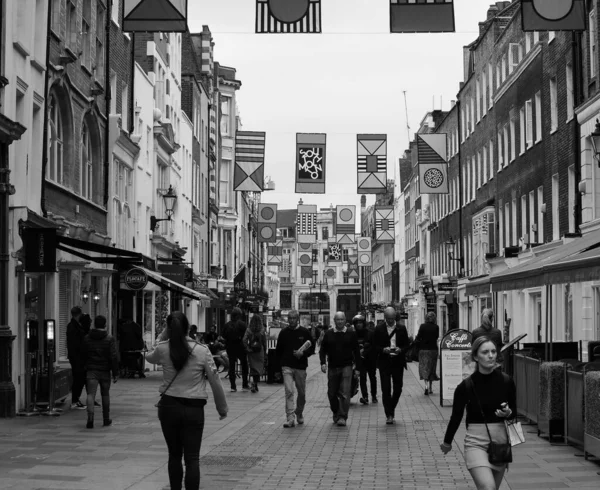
455, 363
188, 274
404, 316
136, 279
40, 249
175, 273
446, 286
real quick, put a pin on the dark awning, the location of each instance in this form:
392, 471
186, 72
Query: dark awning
478, 286
583, 267
553, 267
165, 283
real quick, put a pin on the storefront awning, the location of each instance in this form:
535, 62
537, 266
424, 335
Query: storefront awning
562, 265
164, 283
67, 244
478, 286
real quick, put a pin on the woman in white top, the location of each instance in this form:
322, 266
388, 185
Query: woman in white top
186, 366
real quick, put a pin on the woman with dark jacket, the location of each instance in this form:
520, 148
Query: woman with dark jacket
489, 397
100, 357
255, 342
426, 341
186, 367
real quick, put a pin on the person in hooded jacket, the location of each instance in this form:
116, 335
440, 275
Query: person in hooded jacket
488, 330
369, 359
100, 358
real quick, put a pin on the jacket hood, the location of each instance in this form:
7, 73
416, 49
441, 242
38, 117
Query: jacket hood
98, 334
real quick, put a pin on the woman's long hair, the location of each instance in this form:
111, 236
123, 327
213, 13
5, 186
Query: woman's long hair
486, 318
256, 324
430, 317
179, 349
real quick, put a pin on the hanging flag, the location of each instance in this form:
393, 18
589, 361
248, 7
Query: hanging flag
421, 16
384, 224
154, 15
305, 254
433, 169
364, 251
353, 267
335, 253
249, 173
239, 280
267, 223
288, 16
306, 223
306, 272
310, 163
372, 163
345, 218
553, 15
330, 274
275, 253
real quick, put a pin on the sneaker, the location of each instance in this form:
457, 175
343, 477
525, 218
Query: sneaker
289, 424
233, 389
341, 423
389, 420
335, 419
107, 422
375, 399
78, 405
364, 401
300, 419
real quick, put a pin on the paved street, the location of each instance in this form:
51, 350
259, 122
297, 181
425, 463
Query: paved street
251, 450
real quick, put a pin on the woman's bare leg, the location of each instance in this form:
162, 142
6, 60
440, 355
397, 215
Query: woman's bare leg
484, 478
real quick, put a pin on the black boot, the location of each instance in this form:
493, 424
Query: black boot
90, 422
107, 422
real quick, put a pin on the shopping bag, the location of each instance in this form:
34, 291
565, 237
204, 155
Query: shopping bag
515, 432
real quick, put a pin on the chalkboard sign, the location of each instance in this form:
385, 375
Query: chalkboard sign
455, 363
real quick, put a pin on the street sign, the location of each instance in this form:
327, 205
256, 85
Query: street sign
446, 286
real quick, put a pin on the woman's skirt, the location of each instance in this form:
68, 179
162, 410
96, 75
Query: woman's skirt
477, 442
256, 362
428, 365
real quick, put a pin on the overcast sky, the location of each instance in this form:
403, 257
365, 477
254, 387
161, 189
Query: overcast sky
348, 80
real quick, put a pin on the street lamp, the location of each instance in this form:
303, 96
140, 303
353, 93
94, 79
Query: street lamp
169, 197
451, 244
595, 137
320, 284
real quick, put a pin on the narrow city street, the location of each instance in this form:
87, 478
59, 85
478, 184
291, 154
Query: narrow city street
251, 450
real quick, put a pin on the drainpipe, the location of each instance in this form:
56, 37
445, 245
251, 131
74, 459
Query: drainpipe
577, 91
46, 112
107, 99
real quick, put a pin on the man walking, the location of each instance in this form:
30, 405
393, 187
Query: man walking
293, 352
234, 335
99, 354
369, 358
339, 350
75, 335
390, 341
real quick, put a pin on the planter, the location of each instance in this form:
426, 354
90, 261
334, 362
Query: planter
551, 413
591, 437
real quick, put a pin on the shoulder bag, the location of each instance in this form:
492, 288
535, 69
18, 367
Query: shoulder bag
157, 404
498, 453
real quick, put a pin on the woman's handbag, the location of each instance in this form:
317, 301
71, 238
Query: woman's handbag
515, 432
157, 404
414, 351
498, 453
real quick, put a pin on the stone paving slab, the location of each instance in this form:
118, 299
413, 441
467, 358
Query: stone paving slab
250, 450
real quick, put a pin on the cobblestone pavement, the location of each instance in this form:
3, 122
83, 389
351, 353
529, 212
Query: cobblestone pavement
250, 449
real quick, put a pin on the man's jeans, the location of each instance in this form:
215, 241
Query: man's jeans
93, 379
290, 377
339, 384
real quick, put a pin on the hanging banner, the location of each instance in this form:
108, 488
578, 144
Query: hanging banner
334, 253
288, 16
310, 163
456, 363
384, 224
364, 251
345, 218
433, 169
285, 267
267, 223
154, 15
421, 16
553, 15
306, 272
249, 172
306, 223
239, 281
329, 274
40, 249
353, 267
372, 163
305, 254
275, 253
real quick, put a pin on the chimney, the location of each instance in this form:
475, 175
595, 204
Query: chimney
363, 201
300, 202
452, 103
492, 12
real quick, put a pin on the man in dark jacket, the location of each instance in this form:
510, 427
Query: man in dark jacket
391, 341
369, 359
100, 357
75, 335
131, 343
293, 359
339, 351
233, 333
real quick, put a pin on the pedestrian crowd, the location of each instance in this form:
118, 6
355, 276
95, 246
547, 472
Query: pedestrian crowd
350, 354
